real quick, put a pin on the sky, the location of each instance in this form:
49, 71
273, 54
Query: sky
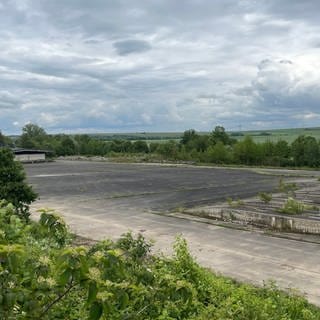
76, 66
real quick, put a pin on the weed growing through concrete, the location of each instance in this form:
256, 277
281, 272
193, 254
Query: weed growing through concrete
234, 203
179, 209
286, 187
265, 197
292, 206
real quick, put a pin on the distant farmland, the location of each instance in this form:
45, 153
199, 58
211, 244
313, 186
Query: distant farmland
288, 135
148, 136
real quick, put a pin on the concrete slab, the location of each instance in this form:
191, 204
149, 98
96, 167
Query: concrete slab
100, 200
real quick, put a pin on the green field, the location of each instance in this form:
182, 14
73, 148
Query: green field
288, 135
149, 136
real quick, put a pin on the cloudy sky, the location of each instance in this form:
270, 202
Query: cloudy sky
159, 65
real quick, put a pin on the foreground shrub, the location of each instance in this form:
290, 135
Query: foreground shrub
42, 276
13, 186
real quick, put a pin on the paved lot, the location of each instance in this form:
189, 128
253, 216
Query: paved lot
144, 187
101, 200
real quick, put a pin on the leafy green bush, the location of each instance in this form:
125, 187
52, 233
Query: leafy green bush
42, 276
292, 206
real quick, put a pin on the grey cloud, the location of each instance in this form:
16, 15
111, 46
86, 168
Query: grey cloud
8, 100
295, 9
133, 65
92, 41
6, 105
126, 47
286, 62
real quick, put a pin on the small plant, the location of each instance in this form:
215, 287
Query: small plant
229, 201
136, 247
293, 206
265, 197
286, 187
313, 207
234, 203
179, 209
240, 202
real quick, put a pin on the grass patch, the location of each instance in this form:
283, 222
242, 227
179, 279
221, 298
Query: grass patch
265, 197
293, 206
286, 187
234, 203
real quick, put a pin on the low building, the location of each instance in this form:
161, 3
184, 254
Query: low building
29, 155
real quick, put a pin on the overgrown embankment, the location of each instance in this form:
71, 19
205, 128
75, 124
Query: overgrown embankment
44, 276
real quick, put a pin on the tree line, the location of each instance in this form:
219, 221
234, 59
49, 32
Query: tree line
218, 147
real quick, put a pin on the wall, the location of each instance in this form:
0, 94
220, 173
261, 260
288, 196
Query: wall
277, 222
30, 157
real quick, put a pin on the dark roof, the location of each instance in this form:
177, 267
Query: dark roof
29, 151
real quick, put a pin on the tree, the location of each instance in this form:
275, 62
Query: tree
267, 153
188, 135
140, 146
116, 146
219, 135
193, 141
219, 153
127, 146
32, 136
66, 147
200, 143
168, 149
305, 151
5, 141
13, 187
246, 151
282, 150
154, 146
2, 139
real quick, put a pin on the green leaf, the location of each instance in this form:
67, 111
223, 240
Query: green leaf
124, 299
65, 276
95, 311
9, 299
13, 262
92, 292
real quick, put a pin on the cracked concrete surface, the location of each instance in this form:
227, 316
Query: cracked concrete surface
82, 193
